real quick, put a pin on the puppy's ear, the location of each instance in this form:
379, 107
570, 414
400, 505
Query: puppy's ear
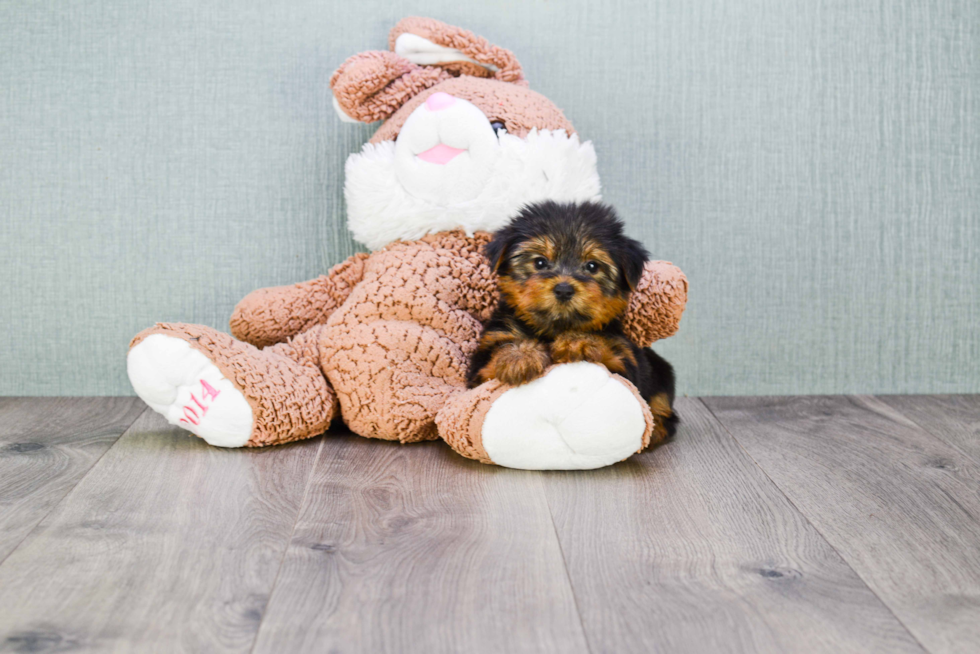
498, 249
632, 257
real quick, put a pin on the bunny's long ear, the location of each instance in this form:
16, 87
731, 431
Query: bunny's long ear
429, 42
372, 85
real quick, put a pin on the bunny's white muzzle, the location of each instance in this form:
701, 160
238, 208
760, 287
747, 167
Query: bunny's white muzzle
445, 151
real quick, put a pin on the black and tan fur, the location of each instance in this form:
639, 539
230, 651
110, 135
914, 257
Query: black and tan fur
565, 274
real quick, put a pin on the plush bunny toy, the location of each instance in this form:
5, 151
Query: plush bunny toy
383, 340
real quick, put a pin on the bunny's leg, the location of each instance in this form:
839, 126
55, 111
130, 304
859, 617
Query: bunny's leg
393, 376
230, 393
575, 416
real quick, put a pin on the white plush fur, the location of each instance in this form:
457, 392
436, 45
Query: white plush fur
576, 417
545, 165
166, 371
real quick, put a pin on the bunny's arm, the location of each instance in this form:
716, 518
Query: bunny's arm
656, 304
276, 314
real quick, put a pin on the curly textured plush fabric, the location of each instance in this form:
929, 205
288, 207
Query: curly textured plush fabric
458, 68
400, 345
372, 85
656, 304
272, 315
379, 85
471, 45
283, 384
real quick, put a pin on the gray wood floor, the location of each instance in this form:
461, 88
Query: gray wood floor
776, 524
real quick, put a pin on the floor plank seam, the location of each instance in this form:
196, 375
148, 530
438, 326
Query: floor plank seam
289, 542
815, 528
71, 490
927, 430
568, 576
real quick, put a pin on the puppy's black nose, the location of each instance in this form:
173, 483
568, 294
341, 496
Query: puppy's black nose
564, 291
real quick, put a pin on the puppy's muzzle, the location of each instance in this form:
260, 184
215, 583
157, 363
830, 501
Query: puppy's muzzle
564, 291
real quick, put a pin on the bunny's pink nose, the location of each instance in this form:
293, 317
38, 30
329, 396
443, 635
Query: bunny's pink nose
439, 101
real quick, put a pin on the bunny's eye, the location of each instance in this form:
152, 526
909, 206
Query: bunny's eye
497, 126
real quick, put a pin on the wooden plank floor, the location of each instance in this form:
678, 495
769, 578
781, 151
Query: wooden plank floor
900, 505
809, 524
46, 446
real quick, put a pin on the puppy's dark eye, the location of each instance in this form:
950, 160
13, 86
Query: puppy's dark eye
540, 263
497, 126
592, 267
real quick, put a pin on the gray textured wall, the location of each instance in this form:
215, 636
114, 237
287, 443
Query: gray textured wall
813, 166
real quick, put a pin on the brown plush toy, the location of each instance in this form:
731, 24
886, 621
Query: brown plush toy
383, 340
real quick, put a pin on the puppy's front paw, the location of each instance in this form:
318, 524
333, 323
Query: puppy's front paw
517, 363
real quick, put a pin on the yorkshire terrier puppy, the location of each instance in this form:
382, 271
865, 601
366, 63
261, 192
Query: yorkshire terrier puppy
565, 273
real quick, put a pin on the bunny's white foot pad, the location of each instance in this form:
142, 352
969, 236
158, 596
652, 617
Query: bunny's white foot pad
575, 417
186, 388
